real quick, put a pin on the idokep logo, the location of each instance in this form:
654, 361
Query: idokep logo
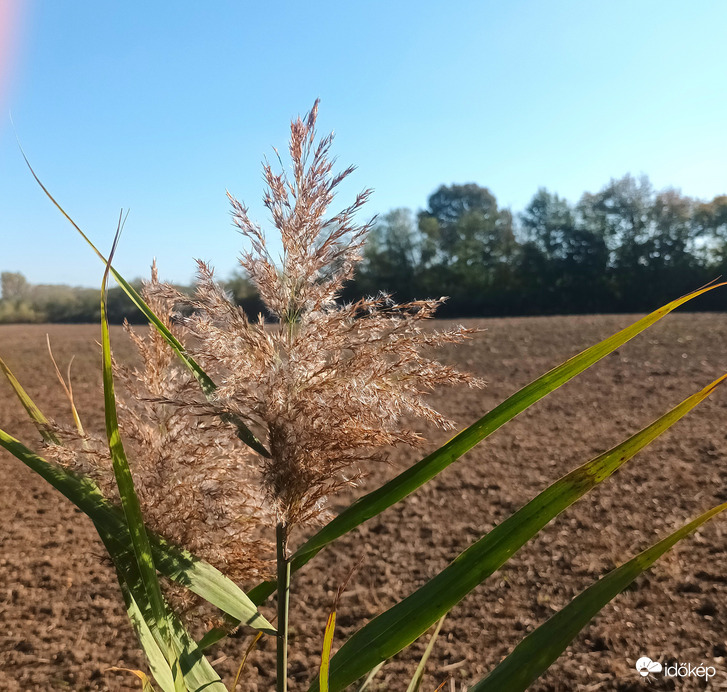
646, 667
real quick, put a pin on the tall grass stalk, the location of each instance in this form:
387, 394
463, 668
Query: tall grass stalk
283, 572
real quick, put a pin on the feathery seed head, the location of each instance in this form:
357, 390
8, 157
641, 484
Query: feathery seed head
196, 485
328, 383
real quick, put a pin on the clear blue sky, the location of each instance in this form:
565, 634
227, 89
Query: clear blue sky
160, 106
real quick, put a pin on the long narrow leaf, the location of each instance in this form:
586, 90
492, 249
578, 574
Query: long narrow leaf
146, 685
250, 648
67, 388
194, 672
173, 562
158, 664
534, 654
203, 579
206, 383
331, 629
199, 675
416, 681
326, 651
390, 632
129, 499
36, 415
157, 661
369, 678
414, 477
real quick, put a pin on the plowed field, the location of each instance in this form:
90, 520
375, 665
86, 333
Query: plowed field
62, 622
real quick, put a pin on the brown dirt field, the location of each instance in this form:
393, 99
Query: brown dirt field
61, 616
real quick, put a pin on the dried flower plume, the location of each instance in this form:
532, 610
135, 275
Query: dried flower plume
195, 484
327, 383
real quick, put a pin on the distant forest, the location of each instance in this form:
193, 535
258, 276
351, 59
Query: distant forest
627, 248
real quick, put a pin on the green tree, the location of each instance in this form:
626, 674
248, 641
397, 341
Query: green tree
709, 227
621, 213
16, 304
562, 265
14, 286
468, 245
672, 239
546, 222
391, 256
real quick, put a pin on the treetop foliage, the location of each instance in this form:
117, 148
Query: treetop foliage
625, 248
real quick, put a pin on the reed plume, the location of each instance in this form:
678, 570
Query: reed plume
195, 484
328, 383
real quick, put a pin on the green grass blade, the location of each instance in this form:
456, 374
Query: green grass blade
416, 681
199, 675
369, 678
413, 478
534, 654
157, 661
205, 382
80, 490
215, 635
390, 632
36, 415
173, 562
124, 481
194, 672
203, 579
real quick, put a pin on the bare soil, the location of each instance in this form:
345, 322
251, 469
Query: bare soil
62, 623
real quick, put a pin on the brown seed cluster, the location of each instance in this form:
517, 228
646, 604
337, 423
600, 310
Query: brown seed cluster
326, 384
195, 482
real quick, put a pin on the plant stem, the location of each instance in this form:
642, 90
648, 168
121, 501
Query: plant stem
281, 536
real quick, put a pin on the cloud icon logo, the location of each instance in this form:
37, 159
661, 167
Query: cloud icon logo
645, 666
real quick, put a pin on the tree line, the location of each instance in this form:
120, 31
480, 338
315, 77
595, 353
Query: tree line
626, 248
22, 301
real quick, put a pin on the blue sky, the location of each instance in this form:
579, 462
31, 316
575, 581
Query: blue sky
160, 107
